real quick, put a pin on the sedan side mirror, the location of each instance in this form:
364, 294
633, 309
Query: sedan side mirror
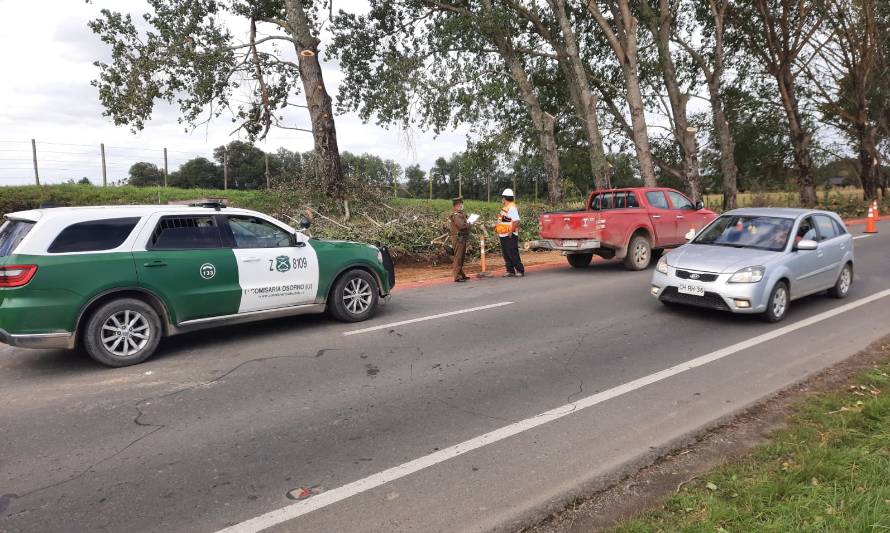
699, 205
806, 245
690, 234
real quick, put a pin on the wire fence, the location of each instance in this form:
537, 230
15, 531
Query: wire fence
34, 161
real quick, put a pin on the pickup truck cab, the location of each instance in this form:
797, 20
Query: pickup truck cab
623, 223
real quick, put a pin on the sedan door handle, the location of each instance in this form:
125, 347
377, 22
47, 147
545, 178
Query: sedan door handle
154, 264
250, 260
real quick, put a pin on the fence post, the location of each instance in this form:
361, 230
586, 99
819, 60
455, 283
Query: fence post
104, 170
34, 157
225, 169
165, 167
431, 185
267, 173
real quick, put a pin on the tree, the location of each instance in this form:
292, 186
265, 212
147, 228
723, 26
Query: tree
418, 185
197, 173
711, 60
620, 30
189, 57
246, 165
851, 91
777, 32
441, 63
144, 174
84, 181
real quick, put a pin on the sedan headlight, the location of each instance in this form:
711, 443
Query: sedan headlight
748, 275
662, 265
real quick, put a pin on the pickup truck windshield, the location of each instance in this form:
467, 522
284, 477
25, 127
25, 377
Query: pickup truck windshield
11, 234
763, 233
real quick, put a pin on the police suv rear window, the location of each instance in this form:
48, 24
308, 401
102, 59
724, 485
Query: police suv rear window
186, 233
11, 234
94, 235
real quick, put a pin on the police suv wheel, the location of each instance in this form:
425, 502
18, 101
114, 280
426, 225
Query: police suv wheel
579, 260
122, 332
354, 296
639, 253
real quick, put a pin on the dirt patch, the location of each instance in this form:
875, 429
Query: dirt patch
649, 486
409, 272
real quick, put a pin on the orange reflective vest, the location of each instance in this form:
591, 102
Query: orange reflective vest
504, 228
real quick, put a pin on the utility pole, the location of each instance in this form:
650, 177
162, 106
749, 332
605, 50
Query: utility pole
431, 185
34, 156
460, 185
267, 172
104, 171
514, 186
536, 189
165, 168
226, 169
488, 187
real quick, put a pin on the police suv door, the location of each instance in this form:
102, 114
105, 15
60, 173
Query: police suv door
276, 268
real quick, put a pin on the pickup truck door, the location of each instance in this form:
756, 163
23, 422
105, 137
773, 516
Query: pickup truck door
663, 219
685, 215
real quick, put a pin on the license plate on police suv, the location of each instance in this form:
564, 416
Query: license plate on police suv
691, 290
570, 243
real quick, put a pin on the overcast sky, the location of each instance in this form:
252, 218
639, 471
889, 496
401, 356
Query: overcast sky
47, 59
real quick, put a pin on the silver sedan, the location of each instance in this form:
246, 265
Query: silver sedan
757, 261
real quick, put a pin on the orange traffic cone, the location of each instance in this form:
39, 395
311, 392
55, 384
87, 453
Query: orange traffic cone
870, 222
874, 206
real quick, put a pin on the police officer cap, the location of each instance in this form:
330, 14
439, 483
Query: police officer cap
458, 200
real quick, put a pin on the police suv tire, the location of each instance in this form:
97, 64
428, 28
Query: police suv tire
142, 338
639, 253
579, 260
775, 312
349, 300
842, 286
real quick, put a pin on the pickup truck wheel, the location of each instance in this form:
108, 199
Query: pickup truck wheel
122, 332
579, 260
639, 253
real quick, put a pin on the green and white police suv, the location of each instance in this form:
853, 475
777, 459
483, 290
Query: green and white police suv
116, 279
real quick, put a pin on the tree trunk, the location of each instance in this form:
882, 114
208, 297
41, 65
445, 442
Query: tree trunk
800, 139
868, 159
727, 149
543, 122
584, 100
321, 114
623, 41
660, 26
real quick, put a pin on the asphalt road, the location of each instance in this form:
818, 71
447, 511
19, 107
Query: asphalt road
466, 422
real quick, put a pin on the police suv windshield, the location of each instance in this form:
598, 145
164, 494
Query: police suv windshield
759, 232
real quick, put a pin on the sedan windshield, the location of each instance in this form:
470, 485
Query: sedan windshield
738, 231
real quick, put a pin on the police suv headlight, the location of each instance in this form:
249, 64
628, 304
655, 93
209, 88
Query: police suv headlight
379, 256
662, 265
748, 275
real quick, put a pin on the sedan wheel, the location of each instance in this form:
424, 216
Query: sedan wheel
779, 300
844, 281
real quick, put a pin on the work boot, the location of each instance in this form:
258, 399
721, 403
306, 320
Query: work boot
461, 280
509, 275
520, 274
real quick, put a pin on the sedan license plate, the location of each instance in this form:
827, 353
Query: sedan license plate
570, 243
691, 290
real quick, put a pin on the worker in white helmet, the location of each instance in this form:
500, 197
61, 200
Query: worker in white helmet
507, 229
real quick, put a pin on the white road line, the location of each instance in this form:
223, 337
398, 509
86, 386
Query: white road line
425, 318
333, 496
863, 236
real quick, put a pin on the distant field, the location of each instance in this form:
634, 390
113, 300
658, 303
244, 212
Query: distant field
786, 199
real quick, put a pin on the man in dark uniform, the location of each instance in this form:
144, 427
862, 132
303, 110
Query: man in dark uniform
460, 233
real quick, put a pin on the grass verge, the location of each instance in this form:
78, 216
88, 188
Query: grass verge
827, 470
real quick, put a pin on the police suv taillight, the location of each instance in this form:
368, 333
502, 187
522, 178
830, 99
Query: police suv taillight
16, 275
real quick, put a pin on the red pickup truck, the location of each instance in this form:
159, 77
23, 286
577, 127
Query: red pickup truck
624, 223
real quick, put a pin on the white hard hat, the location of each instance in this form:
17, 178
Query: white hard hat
508, 192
